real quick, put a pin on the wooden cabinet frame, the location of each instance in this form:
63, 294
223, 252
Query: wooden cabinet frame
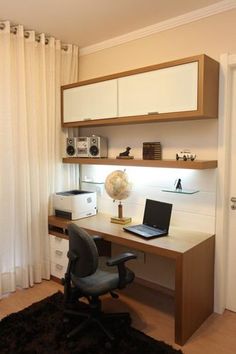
207, 106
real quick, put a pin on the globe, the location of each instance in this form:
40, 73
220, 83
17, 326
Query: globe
117, 185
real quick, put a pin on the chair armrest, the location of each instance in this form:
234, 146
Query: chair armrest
72, 256
119, 261
66, 281
121, 258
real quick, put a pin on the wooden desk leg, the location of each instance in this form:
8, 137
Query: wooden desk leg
194, 289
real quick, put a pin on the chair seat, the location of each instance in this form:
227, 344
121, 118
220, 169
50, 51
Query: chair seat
99, 283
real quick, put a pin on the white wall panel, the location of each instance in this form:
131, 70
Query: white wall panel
193, 211
152, 268
199, 136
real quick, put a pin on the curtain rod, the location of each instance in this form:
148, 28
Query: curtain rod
13, 29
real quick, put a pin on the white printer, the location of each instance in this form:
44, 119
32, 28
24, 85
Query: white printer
75, 204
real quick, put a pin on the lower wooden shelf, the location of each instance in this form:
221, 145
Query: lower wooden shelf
196, 165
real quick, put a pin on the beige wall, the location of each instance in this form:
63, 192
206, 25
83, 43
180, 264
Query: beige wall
213, 36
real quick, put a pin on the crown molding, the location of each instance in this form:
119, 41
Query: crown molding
189, 17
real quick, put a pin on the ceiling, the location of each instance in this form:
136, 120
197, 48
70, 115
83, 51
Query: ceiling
87, 22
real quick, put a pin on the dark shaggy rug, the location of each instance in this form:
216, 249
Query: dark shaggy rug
40, 329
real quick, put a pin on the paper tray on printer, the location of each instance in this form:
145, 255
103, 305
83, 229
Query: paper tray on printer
74, 192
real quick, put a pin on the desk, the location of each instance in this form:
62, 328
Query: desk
193, 253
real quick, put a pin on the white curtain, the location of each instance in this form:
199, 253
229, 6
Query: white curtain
31, 73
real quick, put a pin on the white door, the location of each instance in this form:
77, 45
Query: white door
231, 258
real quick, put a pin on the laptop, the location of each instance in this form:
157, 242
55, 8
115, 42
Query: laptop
156, 220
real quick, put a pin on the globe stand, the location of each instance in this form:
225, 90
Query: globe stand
120, 219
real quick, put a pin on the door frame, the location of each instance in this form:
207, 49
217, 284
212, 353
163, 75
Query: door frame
227, 64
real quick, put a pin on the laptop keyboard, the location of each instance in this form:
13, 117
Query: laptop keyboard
147, 229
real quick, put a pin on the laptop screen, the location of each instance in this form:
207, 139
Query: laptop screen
157, 214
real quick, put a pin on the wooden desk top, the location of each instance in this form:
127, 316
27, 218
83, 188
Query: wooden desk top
178, 242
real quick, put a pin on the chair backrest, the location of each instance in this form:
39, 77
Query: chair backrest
83, 246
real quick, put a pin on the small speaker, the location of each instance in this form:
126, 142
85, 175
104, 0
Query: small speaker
94, 146
97, 146
71, 146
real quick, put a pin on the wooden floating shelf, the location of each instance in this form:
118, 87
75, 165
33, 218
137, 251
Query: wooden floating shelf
141, 119
196, 165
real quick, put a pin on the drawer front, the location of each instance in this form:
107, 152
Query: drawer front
59, 243
58, 270
58, 256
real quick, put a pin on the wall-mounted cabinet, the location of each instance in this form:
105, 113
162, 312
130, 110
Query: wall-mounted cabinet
183, 89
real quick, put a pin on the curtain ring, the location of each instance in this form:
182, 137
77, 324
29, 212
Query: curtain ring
64, 47
14, 29
26, 34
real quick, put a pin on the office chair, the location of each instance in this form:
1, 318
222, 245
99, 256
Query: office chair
83, 278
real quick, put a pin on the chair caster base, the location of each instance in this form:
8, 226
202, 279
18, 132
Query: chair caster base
109, 345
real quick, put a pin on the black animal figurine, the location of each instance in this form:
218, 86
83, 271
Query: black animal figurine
126, 152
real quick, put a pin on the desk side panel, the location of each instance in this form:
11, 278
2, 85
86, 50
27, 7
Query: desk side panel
194, 289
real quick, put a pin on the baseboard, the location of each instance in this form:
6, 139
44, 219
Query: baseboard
155, 286
57, 280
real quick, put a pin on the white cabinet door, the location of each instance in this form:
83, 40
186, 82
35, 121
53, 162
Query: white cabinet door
172, 89
94, 101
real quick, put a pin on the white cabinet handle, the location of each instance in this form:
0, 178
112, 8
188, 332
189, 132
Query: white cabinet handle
58, 252
58, 239
59, 266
